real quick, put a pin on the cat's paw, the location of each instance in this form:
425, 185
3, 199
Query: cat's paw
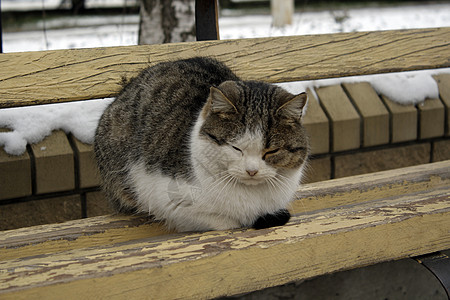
278, 218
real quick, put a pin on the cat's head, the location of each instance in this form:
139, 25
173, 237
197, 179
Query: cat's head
252, 131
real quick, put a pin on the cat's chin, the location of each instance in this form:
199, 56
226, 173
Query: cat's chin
251, 181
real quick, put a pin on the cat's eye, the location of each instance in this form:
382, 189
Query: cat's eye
236, 148
296, 149
214, 138
270, 153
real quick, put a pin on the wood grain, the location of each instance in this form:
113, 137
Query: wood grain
66, 75
211, 264
106, 230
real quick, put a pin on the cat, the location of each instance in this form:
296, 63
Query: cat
197, 148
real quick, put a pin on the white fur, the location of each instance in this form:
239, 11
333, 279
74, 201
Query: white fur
221, 195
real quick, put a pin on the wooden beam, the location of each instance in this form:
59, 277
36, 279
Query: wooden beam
387, 220
206, 20
66, 75
105, 230
220, 263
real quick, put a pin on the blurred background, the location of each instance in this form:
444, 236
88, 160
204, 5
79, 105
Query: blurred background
30, 25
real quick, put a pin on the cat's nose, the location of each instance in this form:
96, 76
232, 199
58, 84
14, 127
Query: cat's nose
252, 172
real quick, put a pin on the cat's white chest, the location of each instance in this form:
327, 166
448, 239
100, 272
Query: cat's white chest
211, 204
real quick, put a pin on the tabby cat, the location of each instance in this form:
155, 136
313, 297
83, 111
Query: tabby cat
194, 146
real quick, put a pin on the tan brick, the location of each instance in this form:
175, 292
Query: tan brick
375, 116
15, 175
38, 212
97, 204
441, 150
443, 81
380, 160
431, 118
88, 173
54, 164
317, 126
403, 121
318, 169
345, 121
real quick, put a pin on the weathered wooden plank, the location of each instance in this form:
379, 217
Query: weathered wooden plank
75, 234
114, 229
208, 265
368, 187
66, 75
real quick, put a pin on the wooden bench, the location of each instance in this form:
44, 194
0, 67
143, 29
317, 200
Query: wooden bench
340, 224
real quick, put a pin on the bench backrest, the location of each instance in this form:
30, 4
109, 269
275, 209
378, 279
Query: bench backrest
66, 75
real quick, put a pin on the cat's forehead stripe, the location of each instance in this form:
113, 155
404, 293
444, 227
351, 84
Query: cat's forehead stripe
252, 139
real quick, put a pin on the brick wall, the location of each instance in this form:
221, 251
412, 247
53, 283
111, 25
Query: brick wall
352, 130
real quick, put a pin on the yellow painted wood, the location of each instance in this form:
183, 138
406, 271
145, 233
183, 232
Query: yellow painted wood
432, 118
106, 230
443, 81
222, 263
344, 120
54, 164
372, 186
77, 234
403, 121
317, 126
375, 117
65, 75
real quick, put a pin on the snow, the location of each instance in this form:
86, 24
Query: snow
365, 19
27, 5
410, 87
32, 124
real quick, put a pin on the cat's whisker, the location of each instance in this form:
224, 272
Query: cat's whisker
231, 180
272, 187
283, 186
211, 186
225, 181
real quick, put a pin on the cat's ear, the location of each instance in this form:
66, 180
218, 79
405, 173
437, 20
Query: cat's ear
220, 103
293, 107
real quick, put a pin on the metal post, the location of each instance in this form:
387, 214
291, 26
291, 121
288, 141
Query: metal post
206, 20
1, 29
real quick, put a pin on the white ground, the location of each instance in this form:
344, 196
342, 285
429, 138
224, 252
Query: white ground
32, 124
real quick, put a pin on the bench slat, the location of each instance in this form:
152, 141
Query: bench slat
210, 264
66, 75
387, 215
104, 230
